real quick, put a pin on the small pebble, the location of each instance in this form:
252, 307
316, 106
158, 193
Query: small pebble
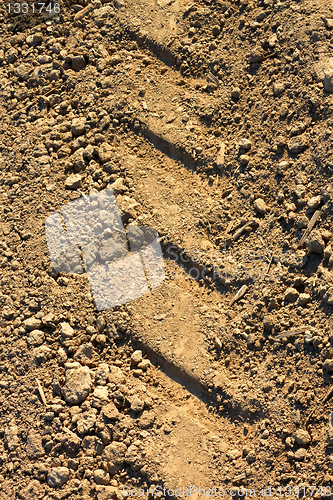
57, 477
136, 357
74, 181
278, 89
244, 144
235, 93
291, 295
302, 437
216, 30
304, 299
315, 242
314, 203
260, 206
328, 77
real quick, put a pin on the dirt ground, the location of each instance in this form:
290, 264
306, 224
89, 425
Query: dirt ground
211, 122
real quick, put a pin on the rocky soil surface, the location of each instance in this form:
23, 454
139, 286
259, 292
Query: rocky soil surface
212, 123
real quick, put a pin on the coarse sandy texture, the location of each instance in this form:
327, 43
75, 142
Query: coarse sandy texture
212, 124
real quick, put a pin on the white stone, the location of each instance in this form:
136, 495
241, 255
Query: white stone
260, 206
66, 330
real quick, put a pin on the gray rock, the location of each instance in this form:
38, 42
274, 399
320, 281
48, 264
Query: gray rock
315, 242
299, 191
113, 457
44, 59
330, 262
328, 251
102, 374
327, 193
328, 296
251, 457
145, 364
300, 454
115, 59
298, 128
56, 48
78, 63
100, 66
74, 181
34, 445
78, 385
88, 152
57, 477
329, 23
244, 159
308, 337
298, 144
105, 121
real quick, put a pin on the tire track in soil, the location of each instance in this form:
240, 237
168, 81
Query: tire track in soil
179, 346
